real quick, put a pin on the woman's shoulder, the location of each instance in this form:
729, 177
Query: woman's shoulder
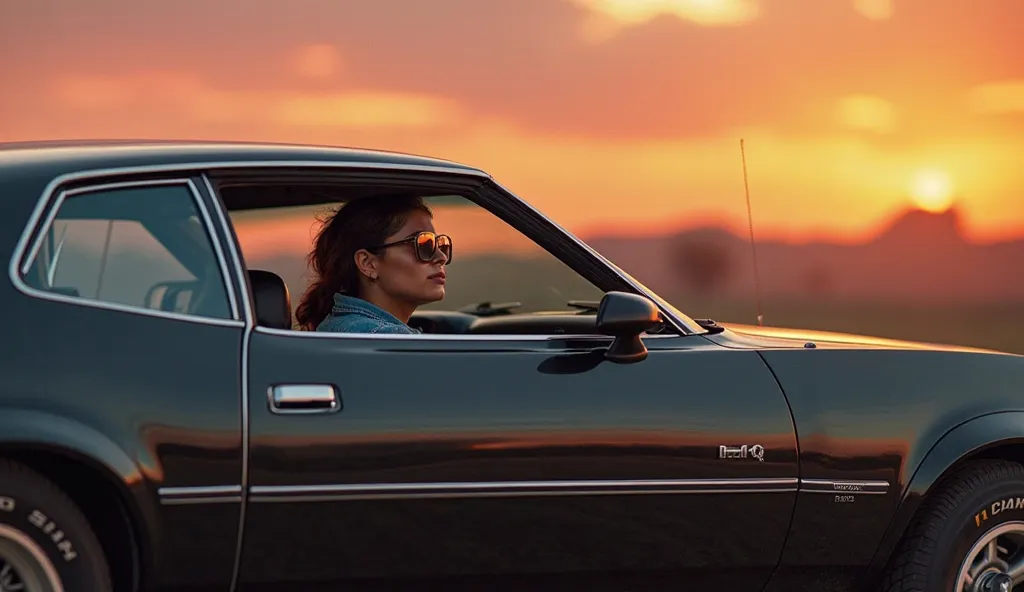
355, 315
358, 323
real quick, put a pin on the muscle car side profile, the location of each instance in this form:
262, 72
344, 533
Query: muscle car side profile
165, 426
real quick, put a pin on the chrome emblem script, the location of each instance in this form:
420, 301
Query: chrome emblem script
755, 451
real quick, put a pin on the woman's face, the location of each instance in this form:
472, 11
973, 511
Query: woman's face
403, 276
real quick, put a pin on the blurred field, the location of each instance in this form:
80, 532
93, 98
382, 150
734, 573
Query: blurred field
998, 327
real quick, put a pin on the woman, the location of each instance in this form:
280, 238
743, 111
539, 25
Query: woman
377, 259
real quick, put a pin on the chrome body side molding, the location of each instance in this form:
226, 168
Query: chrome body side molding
217, 494
385, 491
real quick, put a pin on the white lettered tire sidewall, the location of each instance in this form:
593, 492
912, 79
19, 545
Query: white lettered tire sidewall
981, 511
36, 508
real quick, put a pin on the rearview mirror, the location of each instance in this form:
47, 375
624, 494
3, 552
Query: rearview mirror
625, 316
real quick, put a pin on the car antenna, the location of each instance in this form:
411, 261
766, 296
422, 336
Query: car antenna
753, 244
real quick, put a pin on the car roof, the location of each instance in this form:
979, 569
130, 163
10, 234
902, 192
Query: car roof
60, 157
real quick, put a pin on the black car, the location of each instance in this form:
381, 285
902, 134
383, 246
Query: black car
164, 424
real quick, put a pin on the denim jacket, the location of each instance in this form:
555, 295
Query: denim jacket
355, 315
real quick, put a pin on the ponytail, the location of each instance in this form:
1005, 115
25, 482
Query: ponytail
316, 305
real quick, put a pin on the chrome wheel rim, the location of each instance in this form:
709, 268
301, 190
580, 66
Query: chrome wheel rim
996, 562
24, 566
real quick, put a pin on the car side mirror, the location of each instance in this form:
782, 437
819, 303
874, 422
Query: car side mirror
625, 316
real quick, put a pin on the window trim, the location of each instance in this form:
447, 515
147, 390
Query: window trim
679, 325
201, 167
455, 337
227, 231
25, 255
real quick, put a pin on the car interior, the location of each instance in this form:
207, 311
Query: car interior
271, 300
273, 297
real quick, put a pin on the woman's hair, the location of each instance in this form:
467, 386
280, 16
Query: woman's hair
360, 224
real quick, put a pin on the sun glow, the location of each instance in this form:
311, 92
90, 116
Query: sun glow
702, 12
932, 190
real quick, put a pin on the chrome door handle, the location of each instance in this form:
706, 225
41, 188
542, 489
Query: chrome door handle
304, 398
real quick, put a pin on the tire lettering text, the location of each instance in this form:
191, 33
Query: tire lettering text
67, 550
6, 504
49, 527
997, 507
1010, 503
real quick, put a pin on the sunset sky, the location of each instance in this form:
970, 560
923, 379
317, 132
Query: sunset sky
617, 115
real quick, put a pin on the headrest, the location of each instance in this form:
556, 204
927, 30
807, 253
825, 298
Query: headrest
273, 302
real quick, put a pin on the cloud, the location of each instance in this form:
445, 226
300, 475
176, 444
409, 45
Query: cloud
707, 13
371, 109
878, 10
318, 61
651, 74
998, 98
867, 113
188, 96
94, 92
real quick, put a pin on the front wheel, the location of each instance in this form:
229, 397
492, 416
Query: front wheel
968, 536
46, 544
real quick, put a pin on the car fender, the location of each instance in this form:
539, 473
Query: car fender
951, 449
72, 439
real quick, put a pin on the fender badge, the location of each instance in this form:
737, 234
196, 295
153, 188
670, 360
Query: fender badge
745, 451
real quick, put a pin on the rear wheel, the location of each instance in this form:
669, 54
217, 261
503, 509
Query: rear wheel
968, 536
46, 544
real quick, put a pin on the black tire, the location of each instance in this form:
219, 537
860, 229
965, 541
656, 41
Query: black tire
34, 507
966, 506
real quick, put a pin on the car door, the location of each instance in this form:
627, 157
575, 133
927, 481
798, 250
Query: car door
512, 460
135, 308
522, 460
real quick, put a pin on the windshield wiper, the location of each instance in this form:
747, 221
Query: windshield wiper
487, 309
710, 325
584, 305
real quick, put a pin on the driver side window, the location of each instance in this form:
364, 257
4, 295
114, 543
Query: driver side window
496, 277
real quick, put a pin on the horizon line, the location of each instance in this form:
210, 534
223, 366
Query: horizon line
731, 224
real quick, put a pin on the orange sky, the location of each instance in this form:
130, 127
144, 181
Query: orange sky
604, 113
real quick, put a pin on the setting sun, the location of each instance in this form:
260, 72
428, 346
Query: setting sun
932, 191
